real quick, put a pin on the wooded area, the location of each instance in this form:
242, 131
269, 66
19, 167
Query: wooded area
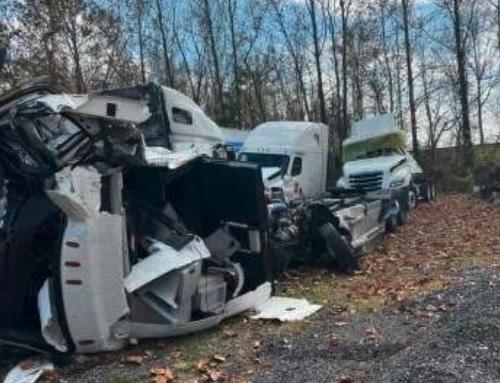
433, 64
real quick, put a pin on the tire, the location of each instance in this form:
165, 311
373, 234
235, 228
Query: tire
339, 252
433, 192
412, 199
391, 223
402, 216
430, 192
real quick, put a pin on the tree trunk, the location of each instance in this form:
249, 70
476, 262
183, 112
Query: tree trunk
215, 60
296, 63
317, 59
344, 65
386, 61
140, 38
398, 83
480, 110
468, 156
169, 75
237, 91
411, 95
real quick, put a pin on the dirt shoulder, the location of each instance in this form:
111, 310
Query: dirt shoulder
422, 309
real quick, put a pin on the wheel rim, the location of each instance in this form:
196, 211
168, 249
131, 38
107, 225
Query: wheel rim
412, 202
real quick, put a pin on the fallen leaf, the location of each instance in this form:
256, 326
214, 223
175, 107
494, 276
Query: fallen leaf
219, 358
133, 359
341, 324
228, 334
162, 375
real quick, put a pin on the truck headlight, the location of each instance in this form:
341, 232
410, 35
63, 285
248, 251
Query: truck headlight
397, 182
341, 183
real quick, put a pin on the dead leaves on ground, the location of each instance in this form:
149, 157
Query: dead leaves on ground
162, 375
440, 239
210, 369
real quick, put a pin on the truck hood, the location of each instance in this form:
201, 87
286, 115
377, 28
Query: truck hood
373, 164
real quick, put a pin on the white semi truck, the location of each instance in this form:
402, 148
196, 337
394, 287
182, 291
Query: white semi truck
376, 161
117, 225
305, 218
293, 157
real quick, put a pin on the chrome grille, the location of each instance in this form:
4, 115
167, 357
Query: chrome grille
369, 181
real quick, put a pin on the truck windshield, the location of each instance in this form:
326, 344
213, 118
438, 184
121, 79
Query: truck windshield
379, 153
267, 160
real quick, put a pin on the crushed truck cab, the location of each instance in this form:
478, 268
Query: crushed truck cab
118, 223
376, 161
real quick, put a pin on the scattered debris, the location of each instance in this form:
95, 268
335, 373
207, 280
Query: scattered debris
285, 309
29, 371
162, 375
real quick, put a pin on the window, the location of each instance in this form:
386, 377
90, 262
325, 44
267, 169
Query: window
268, 160
182, 116
297, 166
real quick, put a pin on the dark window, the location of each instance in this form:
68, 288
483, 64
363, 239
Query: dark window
267, 160
111, 109
296, 166
182, 116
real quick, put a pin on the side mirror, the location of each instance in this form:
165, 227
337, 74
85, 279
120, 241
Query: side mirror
3, 57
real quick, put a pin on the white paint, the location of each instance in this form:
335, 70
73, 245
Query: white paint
285, 309
164, 259
28, 371
51, 331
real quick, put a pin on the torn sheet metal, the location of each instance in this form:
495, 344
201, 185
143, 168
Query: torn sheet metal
163, 260
285, 309
248, 301
51, 331
92, 275
78, 192
29, 371
158, 156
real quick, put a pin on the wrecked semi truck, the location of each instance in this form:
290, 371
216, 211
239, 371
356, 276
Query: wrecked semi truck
375, 160
117, 223
307, 221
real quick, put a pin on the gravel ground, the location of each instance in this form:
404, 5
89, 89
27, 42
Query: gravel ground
448, 336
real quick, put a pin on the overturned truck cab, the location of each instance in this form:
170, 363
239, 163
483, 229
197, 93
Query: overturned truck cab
116, 225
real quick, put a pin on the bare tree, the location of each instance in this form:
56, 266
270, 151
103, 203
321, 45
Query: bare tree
317, 59
411, 92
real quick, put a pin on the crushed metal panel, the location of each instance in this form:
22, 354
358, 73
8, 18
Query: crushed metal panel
248, 301
164, 260
92, 281
51, 331
78, 192
285, 309
126, 329
120, 108
29, 371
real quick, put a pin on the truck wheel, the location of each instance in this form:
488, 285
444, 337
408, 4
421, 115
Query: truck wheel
412, 199
402, 216
433, 192
391, 223
339, 252
430, 194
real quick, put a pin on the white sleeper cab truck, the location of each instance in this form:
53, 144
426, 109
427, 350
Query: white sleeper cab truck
292, 156
117, 225
376, 161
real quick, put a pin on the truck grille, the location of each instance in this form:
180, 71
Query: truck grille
369, 181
